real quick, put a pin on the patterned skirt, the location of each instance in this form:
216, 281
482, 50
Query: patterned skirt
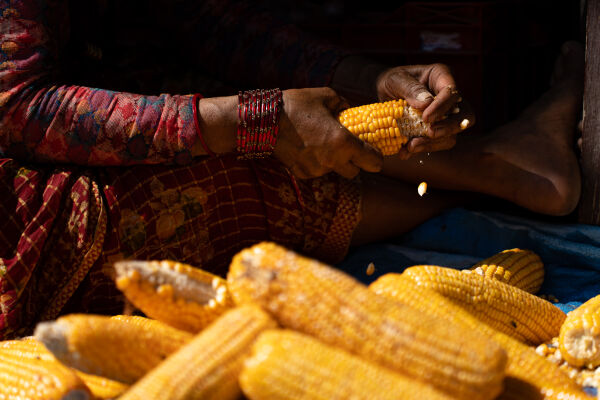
62, 228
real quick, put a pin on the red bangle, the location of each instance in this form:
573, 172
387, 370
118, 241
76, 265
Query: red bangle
195, 101
258, 114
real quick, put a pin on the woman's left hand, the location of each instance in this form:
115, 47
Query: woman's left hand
432, 89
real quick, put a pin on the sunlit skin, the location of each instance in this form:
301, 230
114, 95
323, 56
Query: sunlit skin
500, 163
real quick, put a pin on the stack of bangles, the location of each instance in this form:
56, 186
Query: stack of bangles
258, 113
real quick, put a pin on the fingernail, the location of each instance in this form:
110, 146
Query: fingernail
464, 124
424, 96
455, 110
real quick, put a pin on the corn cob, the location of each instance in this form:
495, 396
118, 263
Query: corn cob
207, 367
29, 371
177, 294
102, 388
310, 297
286, 364
579, 339
387, 126
520, 268
121, 348
506, 308
528, 375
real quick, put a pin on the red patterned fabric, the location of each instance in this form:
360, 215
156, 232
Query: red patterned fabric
137, 192
67, 226
51, 233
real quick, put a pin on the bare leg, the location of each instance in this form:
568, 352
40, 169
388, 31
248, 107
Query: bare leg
530, 162
391, 208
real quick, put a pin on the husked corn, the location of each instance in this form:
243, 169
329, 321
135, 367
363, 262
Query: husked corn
506, 308
520, 268
29, 371
387, 126
121, 348
528, 374
290, 365
207, 367
579, 339
177, 294
311, 297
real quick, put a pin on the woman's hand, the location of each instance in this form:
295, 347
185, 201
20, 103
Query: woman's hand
430, 88
311, 140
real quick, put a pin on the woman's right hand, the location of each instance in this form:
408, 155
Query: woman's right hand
311, 140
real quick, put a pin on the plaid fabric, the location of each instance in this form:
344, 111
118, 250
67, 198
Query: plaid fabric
65, 227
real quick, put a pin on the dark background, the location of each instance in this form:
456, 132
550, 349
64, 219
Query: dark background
501, 52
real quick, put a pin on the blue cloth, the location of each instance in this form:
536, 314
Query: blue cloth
460, 238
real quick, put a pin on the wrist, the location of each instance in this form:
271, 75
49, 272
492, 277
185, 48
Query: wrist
258, 113
356, 78
217, 121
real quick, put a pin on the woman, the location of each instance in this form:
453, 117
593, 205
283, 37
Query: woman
91, 176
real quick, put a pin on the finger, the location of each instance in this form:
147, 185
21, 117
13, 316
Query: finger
347, 170
422, 145
439, 79
446, 101
401, 84
464, 118
300, 172
364, 156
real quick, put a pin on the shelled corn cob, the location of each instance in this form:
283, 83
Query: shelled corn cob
29, 371
585, 376
387, 126
177, 294
121, 348
506, 308
520, 268
207, 367
289, 365
528, 375
308, 296
579, 340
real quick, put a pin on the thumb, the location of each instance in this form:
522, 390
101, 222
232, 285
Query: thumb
404, 85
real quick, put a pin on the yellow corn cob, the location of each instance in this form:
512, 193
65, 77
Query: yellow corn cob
121, 348
177, 294
387, 126
28, 371
208, 367
520, 268
290, 365
102, 388
528, 375
506, 308
579, 339
310, 297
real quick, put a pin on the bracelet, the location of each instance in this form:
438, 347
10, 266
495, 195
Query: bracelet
258, 127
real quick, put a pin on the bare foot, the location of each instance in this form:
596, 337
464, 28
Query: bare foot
540, 145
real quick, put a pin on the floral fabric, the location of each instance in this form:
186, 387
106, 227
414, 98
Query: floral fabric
89, 176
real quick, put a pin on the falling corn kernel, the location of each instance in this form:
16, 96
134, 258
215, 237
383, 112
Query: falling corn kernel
422, 188
464, 124
370, 269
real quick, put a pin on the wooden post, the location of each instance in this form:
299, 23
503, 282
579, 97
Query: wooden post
589, 205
